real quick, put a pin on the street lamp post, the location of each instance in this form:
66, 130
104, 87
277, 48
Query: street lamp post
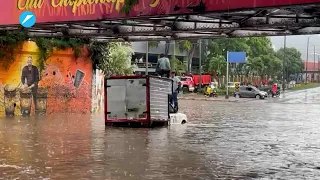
147, 57
306, 66
200, 64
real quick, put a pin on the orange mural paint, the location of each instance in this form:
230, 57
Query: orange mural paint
64, 84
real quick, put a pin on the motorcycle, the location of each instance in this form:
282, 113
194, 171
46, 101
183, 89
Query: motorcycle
211, 92
271, 94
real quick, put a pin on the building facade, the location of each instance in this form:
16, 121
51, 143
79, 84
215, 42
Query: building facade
311, 71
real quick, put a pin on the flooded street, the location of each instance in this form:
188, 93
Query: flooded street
276, 138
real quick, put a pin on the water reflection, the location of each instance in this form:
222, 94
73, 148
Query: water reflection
276, 138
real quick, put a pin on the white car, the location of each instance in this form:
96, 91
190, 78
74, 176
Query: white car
231, 85
178, 118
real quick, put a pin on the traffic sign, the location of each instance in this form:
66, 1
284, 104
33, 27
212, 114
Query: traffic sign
236, 86
236, 57
27, 19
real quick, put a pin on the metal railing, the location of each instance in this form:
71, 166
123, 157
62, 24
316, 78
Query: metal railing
144, 65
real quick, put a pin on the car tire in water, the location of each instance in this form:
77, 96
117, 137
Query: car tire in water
185, 90
258, 96
238, 96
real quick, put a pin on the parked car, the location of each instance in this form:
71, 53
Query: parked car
250, 92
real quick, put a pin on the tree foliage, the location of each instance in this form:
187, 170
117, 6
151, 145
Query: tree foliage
112, 58
291, 60
127, 6
178, 66
10, 42
47, 45
217, 65
261, 58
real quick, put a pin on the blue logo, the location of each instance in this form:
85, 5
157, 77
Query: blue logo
27, 19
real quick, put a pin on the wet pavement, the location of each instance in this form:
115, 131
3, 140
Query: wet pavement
276, 138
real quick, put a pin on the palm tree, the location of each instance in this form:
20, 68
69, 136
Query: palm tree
255, 66
217, 65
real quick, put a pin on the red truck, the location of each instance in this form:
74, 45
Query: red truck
190, 82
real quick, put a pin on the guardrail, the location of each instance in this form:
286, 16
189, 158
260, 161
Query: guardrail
144, 65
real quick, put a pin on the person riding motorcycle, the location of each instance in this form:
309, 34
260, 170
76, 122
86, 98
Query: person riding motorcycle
274, 90
211, 91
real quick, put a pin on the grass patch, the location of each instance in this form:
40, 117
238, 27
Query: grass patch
305, 86
222, 91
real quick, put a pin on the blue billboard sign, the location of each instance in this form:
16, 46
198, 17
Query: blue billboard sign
236, 57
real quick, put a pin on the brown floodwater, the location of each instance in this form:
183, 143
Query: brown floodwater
251, 139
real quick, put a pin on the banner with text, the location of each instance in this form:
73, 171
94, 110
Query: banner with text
80, 10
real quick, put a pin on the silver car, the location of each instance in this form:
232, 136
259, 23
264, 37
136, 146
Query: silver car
250, 92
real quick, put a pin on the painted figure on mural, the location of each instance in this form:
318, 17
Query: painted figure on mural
30, 80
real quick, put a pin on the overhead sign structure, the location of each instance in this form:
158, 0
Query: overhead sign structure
236, 57
81, 10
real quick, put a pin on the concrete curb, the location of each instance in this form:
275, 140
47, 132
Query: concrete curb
208, 99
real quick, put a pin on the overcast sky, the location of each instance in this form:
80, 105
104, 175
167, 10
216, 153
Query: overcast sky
299, 42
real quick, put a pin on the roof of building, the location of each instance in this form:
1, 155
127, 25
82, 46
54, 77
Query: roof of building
311, 65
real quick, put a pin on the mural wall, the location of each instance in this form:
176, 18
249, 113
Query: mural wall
97, 91
64, 84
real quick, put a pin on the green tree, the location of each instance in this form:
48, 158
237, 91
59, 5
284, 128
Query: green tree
261, 58
255, 66
222, 45
112, 58
219, 47
291, 60
217, 65
178, 66
272, 65
258, 46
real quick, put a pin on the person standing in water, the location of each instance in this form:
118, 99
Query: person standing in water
30, 78
176, 88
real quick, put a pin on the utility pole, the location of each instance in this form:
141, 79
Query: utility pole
314, 61
318, 70
284, 63
227, 84
200, 65
147, 58
174, 49
306, 63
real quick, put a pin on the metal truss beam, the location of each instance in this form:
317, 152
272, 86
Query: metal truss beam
293, 20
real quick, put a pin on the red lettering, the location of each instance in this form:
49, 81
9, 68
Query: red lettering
50, 10
108, 7
92, 8
83, 11
77, 13
64, 11
101, 8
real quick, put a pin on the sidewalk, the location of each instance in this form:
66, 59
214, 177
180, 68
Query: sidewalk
198, 97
